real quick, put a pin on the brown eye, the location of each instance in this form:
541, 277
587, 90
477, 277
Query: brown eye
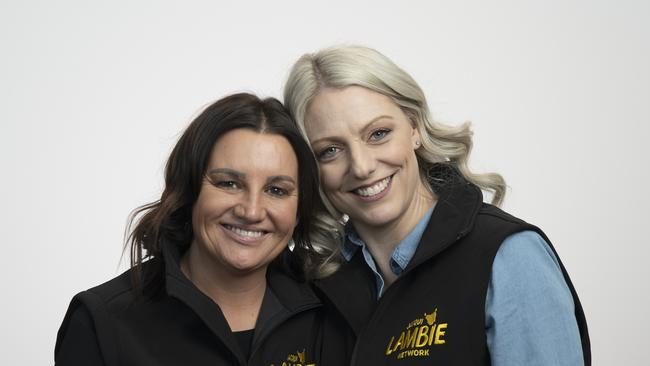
226, 184
277, 191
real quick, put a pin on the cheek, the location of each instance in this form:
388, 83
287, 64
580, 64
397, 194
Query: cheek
331, 176
209, 205
286, 215
400, 150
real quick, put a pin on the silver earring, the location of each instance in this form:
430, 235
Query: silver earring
417, 143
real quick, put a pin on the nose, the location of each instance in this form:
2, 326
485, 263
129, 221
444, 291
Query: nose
250, 208
362, 162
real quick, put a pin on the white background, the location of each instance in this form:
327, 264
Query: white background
93, 95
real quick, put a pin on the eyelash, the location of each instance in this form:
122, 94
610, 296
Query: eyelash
383, 131
227, 184
327, 152
277, 191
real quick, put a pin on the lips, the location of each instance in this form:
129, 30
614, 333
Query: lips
374, 189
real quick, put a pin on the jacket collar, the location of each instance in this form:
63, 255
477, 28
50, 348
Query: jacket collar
351, 290
181, 288
458, 204
292, 293
284, 297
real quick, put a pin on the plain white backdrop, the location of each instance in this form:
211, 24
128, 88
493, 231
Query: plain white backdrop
93, 96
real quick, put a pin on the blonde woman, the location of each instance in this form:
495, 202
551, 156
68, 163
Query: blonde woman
429, 273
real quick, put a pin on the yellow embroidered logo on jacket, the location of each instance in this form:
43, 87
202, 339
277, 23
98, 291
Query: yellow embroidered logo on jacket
295, 359
418, 337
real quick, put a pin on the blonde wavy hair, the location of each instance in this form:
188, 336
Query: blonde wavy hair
442, 145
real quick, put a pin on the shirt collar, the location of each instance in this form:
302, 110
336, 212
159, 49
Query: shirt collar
402, 254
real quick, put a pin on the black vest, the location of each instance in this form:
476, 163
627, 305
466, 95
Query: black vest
179, 325
434, 313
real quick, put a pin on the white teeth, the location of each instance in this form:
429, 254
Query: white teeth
242, 232
374, 189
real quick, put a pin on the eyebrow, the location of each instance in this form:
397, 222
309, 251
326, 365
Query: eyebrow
284, 178
367, 125
227, 171
363, 129
240, 175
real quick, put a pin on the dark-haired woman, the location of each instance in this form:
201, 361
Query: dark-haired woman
212, 279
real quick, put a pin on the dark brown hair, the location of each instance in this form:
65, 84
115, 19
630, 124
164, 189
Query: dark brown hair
170, 217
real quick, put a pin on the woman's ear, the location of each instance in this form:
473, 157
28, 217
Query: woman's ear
415, 134
415, 138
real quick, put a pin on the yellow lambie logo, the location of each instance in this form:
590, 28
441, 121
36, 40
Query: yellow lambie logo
418, 337
295, 359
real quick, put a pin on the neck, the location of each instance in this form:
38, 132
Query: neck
238, 295
382, 240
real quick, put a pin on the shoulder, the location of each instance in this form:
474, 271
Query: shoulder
111, 290
526, 248
86, 326
120, 292
491, 213
90, 318
492, 226
521, 240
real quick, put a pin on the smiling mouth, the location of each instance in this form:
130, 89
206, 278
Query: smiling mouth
375, 189
251, 234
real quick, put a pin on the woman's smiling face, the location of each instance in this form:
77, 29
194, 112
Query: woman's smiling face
365, 146
246, 210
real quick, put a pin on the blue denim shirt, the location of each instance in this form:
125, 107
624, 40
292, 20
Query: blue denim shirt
401, 255
529, 309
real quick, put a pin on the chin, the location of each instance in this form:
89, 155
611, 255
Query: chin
243, 264
378, 217
244, 269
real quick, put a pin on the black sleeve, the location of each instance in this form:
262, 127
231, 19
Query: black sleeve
76, 342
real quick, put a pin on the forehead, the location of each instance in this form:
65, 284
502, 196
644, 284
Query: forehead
252, 152
346, 110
